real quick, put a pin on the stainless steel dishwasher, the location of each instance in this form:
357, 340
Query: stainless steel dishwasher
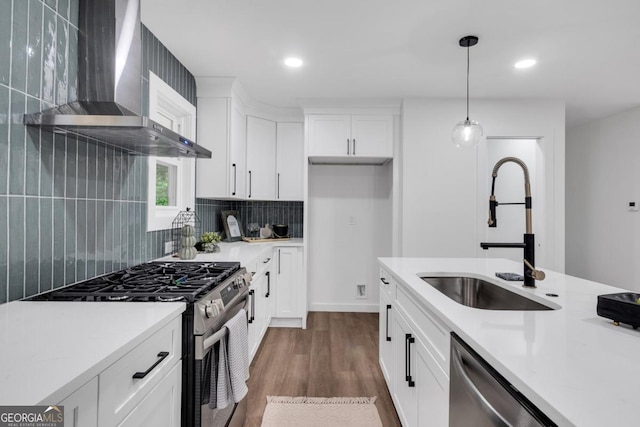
479, 396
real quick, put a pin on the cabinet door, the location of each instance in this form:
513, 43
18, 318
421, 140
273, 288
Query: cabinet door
404, 396
81, 408
161, 407
432, 389
329, 135
287, 283
372, 135
252, 326
420, 387
386, 337
289, 161
238, 157
261, 159
212, 175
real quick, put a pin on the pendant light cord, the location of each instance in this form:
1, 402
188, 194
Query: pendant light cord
467, 82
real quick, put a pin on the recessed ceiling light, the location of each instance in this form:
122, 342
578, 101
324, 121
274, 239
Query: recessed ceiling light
525, 63
293, 62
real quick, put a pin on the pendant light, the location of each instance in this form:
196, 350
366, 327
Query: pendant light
467, 133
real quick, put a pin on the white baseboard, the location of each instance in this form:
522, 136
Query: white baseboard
283, 322
358, 308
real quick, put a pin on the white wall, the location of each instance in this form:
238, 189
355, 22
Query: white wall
603, 238
440, 206
342, 254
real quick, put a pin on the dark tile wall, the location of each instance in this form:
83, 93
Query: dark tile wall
260, 212
69, 209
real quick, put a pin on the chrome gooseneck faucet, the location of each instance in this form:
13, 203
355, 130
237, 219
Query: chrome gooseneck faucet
530, 272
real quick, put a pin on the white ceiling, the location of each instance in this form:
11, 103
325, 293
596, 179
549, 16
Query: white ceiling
586, 49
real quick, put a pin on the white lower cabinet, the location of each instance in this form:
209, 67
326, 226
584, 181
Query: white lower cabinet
161, 407
413, 366
81, 407
420, 388
387, 337
258, 314
288, 282
141, 378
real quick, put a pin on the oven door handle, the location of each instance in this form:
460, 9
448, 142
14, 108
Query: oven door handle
251, 317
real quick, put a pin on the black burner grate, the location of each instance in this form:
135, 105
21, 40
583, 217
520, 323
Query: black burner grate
153, 281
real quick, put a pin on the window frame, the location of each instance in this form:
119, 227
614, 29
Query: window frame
165, 103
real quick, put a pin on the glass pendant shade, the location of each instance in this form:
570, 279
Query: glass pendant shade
467, 133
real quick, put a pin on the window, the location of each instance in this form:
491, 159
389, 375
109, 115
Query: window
171, 180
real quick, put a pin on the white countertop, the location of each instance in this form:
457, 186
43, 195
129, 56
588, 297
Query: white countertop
50, 349
244, 252
578, 368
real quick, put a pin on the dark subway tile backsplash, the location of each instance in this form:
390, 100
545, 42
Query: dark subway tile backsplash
259, 212
69, 208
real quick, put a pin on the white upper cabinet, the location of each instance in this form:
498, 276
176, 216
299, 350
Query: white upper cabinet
289, 161
261, 159
221, 129
344, 138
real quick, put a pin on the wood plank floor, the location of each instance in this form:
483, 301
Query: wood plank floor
336, 356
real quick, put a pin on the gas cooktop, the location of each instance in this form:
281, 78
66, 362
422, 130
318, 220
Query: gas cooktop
153, 281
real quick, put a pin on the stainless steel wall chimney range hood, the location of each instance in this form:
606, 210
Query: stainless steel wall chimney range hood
109, 87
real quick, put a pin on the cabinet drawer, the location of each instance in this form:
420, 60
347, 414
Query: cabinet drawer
119, 392
434, 333
386, 282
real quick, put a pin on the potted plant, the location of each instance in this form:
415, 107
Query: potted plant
210, 240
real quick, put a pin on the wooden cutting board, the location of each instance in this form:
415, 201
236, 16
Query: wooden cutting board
262, 240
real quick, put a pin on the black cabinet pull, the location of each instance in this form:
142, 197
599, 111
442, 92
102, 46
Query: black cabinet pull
279, 257
268, 274
407, 351
266, 260
249, 184
354, 146
253, 307
162, 355
235, 172
348, 147
383, 280
387, 333
278, 187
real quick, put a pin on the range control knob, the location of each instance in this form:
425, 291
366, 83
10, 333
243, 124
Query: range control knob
210, 310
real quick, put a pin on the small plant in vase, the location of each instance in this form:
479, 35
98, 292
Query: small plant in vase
210, 241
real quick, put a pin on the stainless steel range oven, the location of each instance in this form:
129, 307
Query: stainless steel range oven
213, 292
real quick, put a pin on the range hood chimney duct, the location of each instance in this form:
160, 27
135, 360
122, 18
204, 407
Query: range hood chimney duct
108, 108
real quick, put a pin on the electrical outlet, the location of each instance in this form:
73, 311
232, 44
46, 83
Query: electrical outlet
168, 247
361, 291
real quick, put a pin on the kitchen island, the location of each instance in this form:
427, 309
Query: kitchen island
576, 367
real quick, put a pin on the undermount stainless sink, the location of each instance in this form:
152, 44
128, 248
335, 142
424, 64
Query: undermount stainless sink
478, 293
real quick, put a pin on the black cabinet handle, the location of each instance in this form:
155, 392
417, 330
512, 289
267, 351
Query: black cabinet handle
387, 333
348, 147
407, 351
354, 146
249, 184
235, 172
268, 274
278, 187
253, 307
383, 280
266, 260
279, 257
161, 356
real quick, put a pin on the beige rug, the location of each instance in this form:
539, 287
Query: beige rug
284, 411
